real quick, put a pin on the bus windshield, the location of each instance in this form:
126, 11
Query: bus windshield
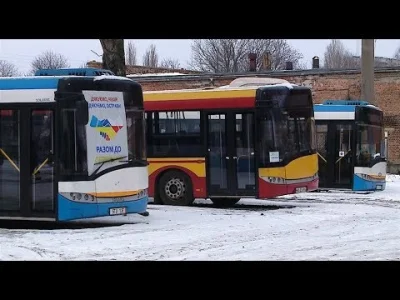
370, 145
285, 135
113, 135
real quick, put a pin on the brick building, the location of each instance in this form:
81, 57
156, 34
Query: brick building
325, 84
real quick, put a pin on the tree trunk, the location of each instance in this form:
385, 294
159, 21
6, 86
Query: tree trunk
114, 56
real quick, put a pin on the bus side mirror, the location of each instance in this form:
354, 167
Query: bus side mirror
82, 111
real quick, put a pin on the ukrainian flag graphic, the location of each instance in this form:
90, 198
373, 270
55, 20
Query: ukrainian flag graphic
106, 128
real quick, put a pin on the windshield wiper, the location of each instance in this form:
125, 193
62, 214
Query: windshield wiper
106, 161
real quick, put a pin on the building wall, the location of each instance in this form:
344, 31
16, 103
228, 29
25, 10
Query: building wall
144, 69
339, 84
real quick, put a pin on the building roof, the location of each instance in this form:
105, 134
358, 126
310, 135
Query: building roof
140, 70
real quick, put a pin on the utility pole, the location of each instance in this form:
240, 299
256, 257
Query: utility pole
367, 70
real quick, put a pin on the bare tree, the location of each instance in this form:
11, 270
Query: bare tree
301, 66
114, 56
336, 56
231, 55
170, 63
397, 53
150, 57
49, 60
7, 69
219, 55
131, 54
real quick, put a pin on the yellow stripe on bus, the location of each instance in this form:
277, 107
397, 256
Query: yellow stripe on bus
114, 194
195, 164
201, 94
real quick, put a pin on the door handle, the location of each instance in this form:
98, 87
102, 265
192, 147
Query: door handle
227, 157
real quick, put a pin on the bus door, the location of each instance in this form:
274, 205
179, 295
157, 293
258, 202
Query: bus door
27, 174
335, 146
230, 147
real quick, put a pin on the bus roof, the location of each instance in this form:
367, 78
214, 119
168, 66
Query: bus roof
43, 88
44, 82
191, 99
342, 106
73, 72
256, 81
205, 98
341, 109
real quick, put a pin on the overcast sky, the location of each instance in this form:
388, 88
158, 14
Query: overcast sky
78, 52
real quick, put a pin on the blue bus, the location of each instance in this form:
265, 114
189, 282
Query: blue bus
351, 145
71, 147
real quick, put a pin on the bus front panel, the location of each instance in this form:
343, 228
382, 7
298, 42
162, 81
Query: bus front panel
288, 162
103, 167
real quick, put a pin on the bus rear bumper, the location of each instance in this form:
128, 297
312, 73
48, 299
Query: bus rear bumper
71, 210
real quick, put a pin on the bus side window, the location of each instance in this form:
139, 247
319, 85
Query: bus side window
176, 133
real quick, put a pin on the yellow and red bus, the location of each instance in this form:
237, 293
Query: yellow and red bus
230, 143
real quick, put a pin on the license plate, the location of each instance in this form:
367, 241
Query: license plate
301, 190
378, 187
117, 211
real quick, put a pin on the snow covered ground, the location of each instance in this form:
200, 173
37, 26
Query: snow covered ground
310, 226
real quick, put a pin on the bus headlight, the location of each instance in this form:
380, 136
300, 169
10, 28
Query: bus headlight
275, 180
143, 193
81, 197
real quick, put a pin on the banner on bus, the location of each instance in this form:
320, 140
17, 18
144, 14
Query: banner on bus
106, 131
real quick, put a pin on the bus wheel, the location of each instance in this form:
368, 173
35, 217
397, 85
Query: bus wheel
157, 199
224, 202
175, 188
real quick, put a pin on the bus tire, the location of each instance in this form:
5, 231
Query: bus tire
175, 188
157, 199
224, 202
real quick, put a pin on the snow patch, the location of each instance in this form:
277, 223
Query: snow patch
111, 77
288, 85
321, 226
156, 74
392, 178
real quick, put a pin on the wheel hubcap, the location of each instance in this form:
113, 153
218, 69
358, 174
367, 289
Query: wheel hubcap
175, 188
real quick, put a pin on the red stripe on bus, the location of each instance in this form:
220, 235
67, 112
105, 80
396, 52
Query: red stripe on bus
5, 113
9, 112
200, 104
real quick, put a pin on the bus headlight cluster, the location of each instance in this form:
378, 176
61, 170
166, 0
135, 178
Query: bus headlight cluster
275, 180
369, 178
82, 197
143, 193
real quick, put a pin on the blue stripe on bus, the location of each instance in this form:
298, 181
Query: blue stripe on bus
28, 83
334, 108
69, 210
361, 184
